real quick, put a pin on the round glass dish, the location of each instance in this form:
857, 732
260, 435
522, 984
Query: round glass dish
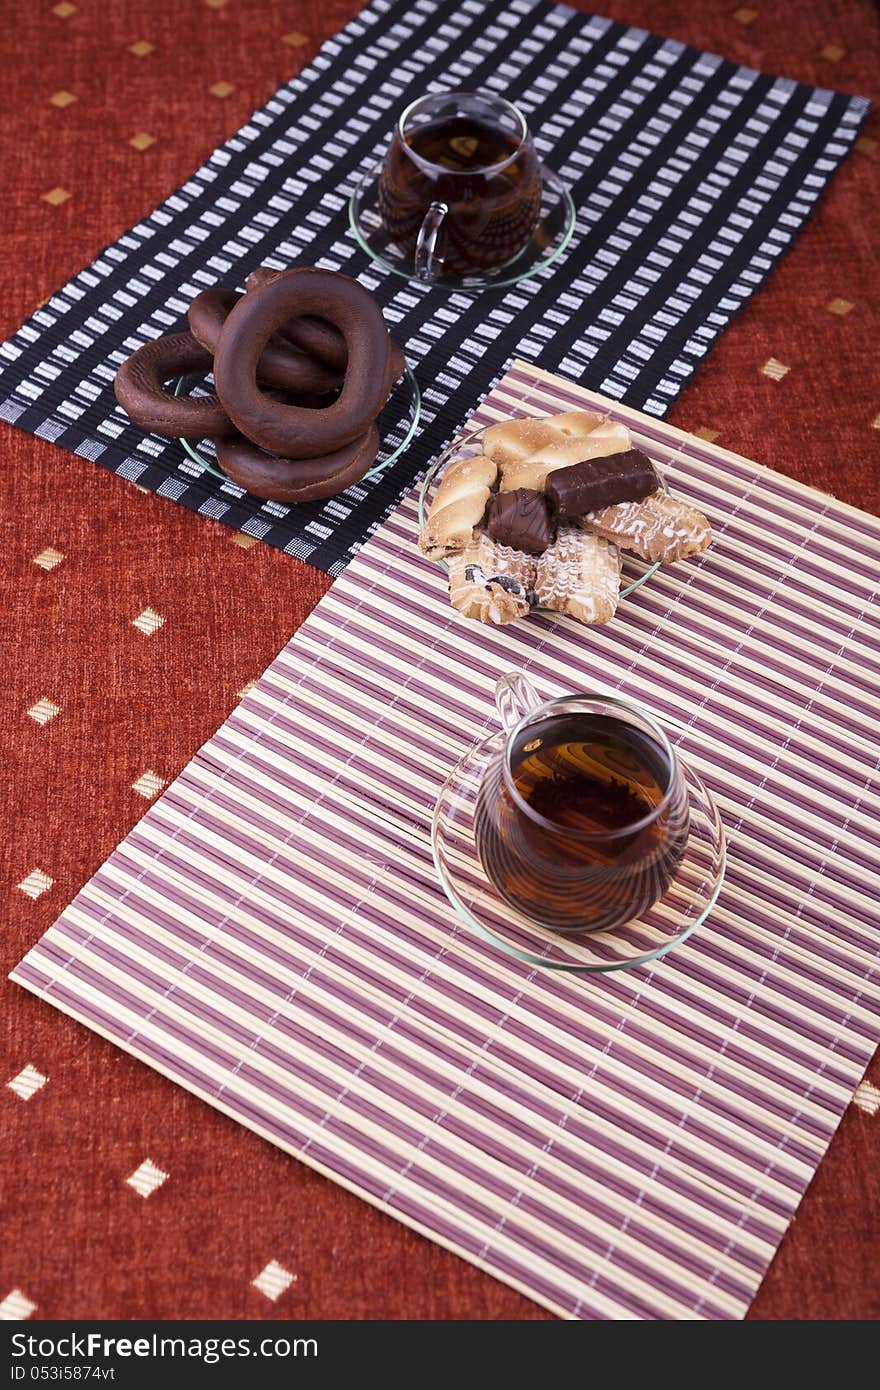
550, 238
397, 424
684, 906
634, 573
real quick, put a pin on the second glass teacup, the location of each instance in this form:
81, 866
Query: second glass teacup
460, 188
582, 820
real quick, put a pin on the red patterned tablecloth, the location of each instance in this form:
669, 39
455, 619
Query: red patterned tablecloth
107, 108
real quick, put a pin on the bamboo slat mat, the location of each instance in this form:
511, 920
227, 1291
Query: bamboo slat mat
271, 935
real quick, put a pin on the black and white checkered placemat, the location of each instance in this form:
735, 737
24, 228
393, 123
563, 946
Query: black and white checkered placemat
691, 177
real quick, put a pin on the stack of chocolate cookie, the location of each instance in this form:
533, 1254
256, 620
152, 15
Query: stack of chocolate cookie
540, 518
302, 365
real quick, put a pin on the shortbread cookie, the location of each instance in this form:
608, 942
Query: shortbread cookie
580, 575
608, 437
458, 506
491, 583
660, 527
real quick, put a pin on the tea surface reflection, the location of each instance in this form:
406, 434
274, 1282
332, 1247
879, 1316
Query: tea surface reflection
461, 184
584, 822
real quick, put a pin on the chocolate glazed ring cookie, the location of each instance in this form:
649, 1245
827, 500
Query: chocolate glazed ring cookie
296, 480
291, 431
140, 390
282, 366
315, 336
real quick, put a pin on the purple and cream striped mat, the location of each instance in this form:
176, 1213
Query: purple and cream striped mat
272, 936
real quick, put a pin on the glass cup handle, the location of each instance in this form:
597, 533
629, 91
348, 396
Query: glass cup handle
426, 246
515, 696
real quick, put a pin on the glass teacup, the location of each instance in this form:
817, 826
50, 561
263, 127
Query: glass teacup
582, 819
460, 187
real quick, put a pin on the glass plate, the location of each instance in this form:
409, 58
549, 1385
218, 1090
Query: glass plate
397, 424
547, 242
634, 572
684, 906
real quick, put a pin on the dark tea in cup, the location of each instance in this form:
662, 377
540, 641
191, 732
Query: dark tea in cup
461, 184
583, 821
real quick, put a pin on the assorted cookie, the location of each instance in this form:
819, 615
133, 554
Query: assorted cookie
657, 528
539, 519
490, 582
302, 364
579, 574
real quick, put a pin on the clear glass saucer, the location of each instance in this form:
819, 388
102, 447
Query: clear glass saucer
683, 907
397, 424
634, 572
551, 236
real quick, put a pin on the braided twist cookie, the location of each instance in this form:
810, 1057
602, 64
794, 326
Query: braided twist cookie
587, 437
513, 441
528, 451
457, 507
